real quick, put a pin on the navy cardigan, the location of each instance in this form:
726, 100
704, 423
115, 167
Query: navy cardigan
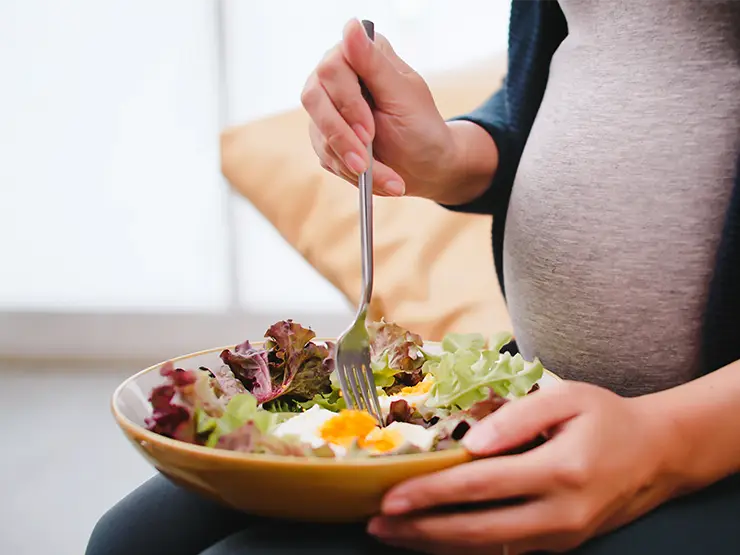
536, 29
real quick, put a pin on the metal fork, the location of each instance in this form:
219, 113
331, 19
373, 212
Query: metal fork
353, 347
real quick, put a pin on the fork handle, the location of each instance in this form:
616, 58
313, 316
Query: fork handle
365, 186
370, 31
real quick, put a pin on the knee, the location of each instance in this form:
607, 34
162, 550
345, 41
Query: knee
107, 537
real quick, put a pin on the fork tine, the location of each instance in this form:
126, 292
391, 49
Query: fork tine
346, 393
365, 390
370, 380
352, 379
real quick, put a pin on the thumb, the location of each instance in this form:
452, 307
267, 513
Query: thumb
376, 63
521, 421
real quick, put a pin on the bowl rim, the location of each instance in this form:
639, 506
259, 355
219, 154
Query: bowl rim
143, 435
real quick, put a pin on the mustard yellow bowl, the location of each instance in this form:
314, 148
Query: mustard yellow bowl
314, 490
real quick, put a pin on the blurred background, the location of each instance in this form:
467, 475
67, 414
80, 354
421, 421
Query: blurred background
121, 244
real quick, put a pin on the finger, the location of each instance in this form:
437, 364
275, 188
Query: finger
489, 527
335, 130
521, 421
386, 182
479, 481
382, 77
341, 84
352, 180
328, 159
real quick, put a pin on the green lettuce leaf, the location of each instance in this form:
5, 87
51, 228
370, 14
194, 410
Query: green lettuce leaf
453, 342
465, 372
329, 401
239, 410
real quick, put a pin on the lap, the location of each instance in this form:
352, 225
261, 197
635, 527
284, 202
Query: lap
160, 517
705, 522
272, 539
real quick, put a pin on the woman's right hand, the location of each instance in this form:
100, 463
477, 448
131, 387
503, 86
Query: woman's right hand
413, 147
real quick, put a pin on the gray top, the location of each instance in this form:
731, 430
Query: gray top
618, 205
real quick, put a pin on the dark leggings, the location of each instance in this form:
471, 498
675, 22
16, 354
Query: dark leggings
160, 518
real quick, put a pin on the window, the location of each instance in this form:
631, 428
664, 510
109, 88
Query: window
119, 236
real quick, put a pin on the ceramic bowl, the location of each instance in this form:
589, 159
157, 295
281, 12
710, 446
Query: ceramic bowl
314, 490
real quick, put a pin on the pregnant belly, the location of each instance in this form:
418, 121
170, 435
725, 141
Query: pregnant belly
613, 226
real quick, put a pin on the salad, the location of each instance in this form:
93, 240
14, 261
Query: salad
283, 397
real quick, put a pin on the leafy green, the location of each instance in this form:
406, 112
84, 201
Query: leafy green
453, 342
465, 371
249, 365
283, 405
299, 366
291, 365
395, 354
498, 340
385, 374
239, 410
332, 401
250, 438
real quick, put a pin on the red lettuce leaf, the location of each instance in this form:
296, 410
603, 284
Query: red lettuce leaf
299, 368
170, 419
453, 428
249, 439
397, 352
250, 366
227, 384
402, 346
291, 365
401, 411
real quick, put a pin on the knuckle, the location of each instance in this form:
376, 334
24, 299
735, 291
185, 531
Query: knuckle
335, 138
349, 106
330, 66
573, 474
310, 96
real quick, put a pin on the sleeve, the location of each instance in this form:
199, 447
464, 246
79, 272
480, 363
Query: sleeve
536, 29
491, 116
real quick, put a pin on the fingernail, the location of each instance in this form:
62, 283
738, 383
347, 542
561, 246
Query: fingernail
375, 527
396, 506
477, 443
395, 188
364, 33
355, 163
362, 134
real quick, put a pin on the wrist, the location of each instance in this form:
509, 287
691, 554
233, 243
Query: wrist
671, 451
467, 167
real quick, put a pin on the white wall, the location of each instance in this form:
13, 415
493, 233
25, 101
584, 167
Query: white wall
112, 206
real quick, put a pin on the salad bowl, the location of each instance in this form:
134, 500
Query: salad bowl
312, 489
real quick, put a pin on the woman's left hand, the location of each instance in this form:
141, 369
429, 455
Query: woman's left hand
604, 466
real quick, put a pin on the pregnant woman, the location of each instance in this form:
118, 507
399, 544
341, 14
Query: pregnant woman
610, 162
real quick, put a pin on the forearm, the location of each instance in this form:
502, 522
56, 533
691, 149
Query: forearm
702, 418
470, 168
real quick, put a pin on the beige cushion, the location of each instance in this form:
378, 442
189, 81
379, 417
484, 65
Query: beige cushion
433, 268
